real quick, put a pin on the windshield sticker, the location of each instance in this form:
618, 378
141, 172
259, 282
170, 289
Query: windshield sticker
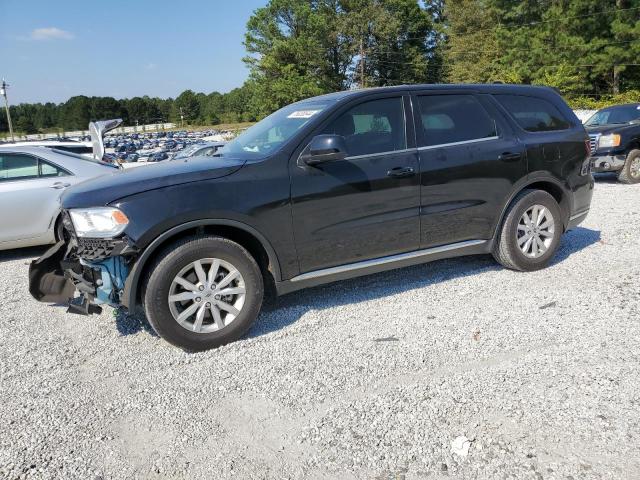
303, 114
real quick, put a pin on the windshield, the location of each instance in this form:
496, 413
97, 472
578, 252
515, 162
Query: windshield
188, 151
615, 115
269, 134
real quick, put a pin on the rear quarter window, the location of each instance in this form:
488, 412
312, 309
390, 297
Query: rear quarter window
534, 114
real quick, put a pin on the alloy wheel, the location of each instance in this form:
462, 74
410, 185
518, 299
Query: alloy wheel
207, 295
536, 230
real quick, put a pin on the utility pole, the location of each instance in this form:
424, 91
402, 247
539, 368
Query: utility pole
362, 80
3, 92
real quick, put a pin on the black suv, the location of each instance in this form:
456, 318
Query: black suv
615, 141
325, 189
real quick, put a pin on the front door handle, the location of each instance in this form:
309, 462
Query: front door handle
509, 156
59, 185
400, 172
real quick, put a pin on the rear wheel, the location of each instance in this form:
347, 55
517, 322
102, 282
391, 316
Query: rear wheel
630, 173
530, 233
203, 292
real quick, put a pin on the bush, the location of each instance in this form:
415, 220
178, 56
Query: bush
593, 103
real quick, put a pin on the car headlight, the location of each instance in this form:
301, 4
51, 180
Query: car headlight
99, 222
607, 141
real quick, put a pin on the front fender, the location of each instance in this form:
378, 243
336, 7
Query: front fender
131, 286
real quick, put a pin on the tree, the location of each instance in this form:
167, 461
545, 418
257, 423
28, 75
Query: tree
289, 62
393, 42
471, 51
301, 48
186, 105
25, 124
76, 113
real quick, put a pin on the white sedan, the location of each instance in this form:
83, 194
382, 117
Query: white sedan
32, 179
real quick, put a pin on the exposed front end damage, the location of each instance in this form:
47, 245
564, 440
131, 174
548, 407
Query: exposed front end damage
83, 273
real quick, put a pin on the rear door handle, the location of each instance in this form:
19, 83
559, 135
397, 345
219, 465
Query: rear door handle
509, 156
59, 185
400, 172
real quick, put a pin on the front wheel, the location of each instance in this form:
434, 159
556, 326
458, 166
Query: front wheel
530, 233
203, 292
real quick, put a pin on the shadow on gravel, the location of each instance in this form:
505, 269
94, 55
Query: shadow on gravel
281, 312
132, 323
577, 239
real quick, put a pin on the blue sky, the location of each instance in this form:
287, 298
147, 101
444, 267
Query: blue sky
51, 50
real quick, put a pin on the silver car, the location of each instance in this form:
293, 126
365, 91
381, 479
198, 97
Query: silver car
32, 179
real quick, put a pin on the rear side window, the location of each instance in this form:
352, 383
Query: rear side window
48, 170
533, 114
454, 118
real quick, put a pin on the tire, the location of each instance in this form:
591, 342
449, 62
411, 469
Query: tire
630, 172
58, 230
507, 250
178, 261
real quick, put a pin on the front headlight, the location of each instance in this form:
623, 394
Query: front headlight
99, 222
608, 141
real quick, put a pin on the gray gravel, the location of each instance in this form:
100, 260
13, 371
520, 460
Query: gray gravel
370, 378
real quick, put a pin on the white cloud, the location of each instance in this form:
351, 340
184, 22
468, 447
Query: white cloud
50, 33
150, 66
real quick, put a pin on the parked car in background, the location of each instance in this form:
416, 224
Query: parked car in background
31, 182
325, 189
614, 134
158, 157
199, 149
80, 148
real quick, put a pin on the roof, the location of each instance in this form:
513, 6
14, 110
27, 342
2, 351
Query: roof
471, 87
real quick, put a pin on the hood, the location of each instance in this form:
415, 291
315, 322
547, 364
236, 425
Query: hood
611, 128
106, 189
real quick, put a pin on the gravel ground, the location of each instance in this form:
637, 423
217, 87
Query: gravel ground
369, 378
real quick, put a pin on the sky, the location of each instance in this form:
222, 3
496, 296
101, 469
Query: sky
52, 50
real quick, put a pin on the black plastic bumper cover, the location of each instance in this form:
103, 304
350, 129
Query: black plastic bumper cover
47, 282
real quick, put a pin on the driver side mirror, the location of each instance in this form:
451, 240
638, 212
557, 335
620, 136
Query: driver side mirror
325, 148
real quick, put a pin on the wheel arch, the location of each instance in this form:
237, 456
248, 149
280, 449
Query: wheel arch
547, 184
241, 233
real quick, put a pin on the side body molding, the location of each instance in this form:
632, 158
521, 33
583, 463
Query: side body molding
131, 286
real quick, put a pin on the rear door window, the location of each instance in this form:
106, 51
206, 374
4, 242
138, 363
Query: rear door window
449, 119
533, 114
18, 167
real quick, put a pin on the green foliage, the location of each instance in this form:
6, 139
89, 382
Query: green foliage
302, 48
587, 49
592, 103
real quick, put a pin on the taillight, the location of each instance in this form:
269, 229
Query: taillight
587, 147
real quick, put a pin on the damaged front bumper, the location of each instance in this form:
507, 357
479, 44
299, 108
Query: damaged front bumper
83, 273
